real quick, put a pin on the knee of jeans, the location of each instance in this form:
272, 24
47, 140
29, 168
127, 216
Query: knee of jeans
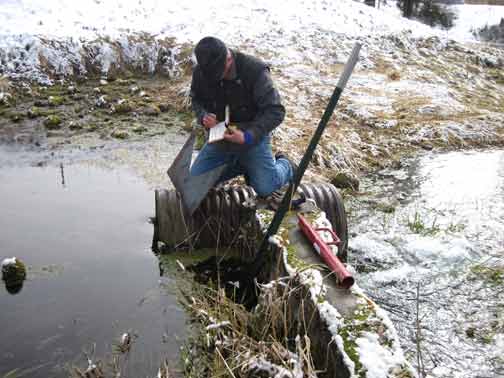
265, 188
193, 171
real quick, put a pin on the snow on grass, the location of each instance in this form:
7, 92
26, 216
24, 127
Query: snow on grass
376, 358
472, 17
60, 30
430, 249
374, 246
358, 348
229, 19
398, 274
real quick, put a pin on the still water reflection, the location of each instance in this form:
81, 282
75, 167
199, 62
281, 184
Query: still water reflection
85, 236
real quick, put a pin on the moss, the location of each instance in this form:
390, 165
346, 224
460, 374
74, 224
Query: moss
34, 112
55, 90
164, 108
200, 139
56, 100
385, 208
185, 120
120, 134
14, 274
362, 320
140, 129
16, 116
122, 107
91, 127
293, 260
123, 82
266, 216
152, 110
491, 274
75, 126
470, 332
79, 109
497, 75
345, 180
169, 260
52, 122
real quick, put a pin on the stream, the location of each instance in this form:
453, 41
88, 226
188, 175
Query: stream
428, 246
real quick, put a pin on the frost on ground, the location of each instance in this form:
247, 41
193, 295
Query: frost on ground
413, 88
363, 336
433, 259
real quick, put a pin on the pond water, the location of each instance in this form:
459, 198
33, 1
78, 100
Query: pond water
84, 233
428, 244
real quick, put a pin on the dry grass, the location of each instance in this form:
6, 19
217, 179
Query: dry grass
4, 84
232, 342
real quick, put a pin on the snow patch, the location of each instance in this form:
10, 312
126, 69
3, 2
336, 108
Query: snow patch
428, 249
377, 359
9, 261
375, 247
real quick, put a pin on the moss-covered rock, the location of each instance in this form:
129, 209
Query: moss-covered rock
102, 102
91, 127
345, 180
120, 134
55, 100
122, 107
152, 110
75, 126
16, 116
13, 271
140, 129
134, 89
34, 112
5, 98
52, 122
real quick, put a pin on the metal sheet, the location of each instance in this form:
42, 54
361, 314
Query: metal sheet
192, 189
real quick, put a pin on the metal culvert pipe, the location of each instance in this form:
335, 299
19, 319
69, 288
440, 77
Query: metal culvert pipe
328, 199
220, 219
217, 222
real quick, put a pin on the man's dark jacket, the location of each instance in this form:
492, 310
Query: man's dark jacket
254, 102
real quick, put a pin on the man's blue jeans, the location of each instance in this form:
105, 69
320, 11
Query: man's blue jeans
264, 173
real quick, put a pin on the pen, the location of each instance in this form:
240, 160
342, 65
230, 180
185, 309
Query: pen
226, 118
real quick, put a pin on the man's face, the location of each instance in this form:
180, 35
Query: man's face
227, 66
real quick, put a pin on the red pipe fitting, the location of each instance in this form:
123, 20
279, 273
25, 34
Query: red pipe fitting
344, 278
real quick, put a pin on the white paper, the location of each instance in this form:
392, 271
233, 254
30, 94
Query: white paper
217, 132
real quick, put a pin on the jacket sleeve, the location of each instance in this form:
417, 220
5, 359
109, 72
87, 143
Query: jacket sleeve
270, 112
196, 102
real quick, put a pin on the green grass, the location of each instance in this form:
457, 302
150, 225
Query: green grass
419, 225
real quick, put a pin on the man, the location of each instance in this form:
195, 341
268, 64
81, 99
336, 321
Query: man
229, 78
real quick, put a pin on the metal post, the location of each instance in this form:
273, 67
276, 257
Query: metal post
285, 204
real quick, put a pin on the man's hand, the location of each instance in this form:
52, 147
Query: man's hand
234, 135
209, 120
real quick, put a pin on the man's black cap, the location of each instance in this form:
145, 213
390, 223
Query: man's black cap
211, 55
